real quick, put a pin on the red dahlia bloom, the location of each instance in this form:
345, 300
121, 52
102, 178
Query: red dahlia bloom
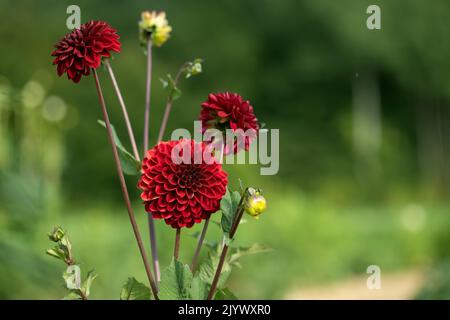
181, 194
229, 111
83, 48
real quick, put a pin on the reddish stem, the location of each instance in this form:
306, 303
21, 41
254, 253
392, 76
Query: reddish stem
199, 245
124, 187
124, 109
169, 104
240, 212
151, 223
147, 94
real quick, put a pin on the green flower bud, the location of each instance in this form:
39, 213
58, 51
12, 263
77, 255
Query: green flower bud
56, 235
193, 68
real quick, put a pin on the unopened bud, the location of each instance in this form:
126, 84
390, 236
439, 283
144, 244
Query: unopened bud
255, 203
193, 68
56, 235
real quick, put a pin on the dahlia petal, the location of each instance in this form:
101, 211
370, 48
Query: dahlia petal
159, 189
187, 193
77, 78
170, 197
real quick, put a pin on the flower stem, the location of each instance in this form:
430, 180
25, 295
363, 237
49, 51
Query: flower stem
169, 104
240, 212
147, 93
124, 109
165, 119
124, 187
70, 262
176, 249
151, 223
199, 245
212, 291
152, 232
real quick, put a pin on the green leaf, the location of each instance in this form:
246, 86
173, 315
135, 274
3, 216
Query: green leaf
65, 244
199, 289
228, 206
72, 277
73, 295
238, 252
86, 287
207, 269
169, 84
135, 290
225, 294
130, 165
175, 282
57, 253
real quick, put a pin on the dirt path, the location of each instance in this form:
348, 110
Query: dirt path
394, 286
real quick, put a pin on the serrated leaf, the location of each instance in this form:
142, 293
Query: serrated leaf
228, 206
86, 287
130, 165
135, 290
72, 277
199, 289
207, 269
175, 282
225, 294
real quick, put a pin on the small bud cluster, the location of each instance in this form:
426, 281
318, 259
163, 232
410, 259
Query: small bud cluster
63, 248
72, 275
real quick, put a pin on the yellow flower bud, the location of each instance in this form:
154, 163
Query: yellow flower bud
155, 25
255, 203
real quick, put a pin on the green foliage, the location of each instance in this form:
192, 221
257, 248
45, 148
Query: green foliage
207, 268
331, 226
193, 68
229, 205
437, 284
175, 282
57, 253
236, 252
173, 92
135, 290
225, 294
72, 278
130, 165
199, 289
63, 248
72, 275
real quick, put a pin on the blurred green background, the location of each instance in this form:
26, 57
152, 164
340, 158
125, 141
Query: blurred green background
364, 140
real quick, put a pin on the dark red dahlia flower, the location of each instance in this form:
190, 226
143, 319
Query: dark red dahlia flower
185, 193
83, 48
230, 111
